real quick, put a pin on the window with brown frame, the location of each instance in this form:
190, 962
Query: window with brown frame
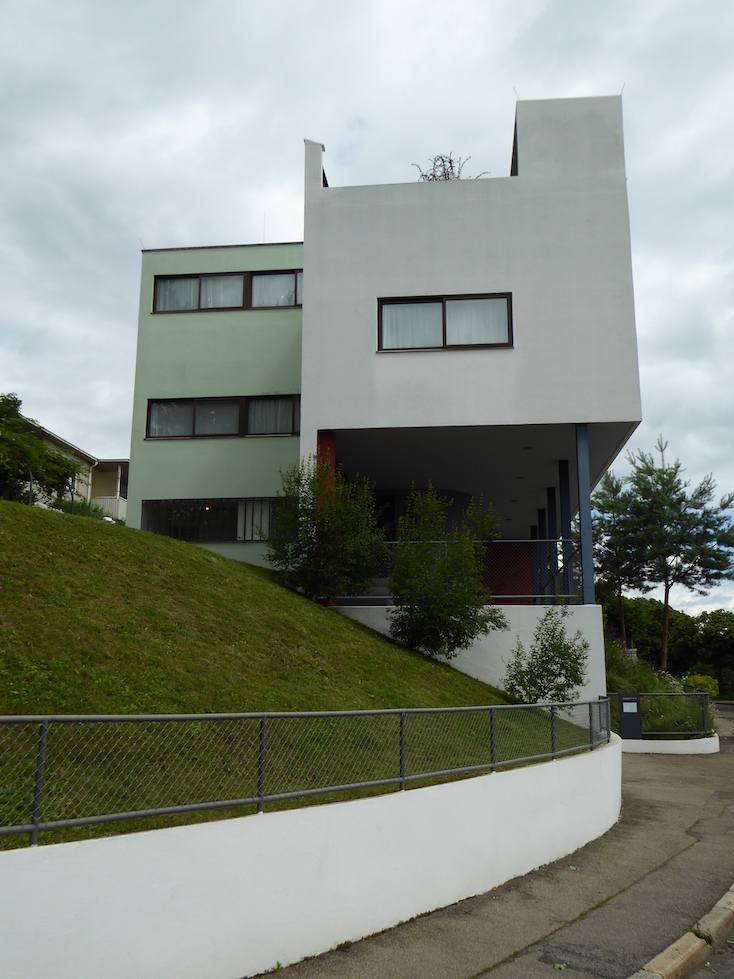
228, 290
437, 322
187, 418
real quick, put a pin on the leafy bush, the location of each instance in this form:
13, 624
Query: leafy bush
707, 684
626, 675
326, 537
554, 667
441, 605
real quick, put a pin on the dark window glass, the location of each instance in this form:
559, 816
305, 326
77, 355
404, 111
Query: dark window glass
217, 418
177, 294
212, 417
270, 416
171, 419
198, 521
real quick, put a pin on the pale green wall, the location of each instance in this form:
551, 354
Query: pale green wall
213, 354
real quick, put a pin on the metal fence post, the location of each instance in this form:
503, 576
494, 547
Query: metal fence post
402, 750
553, 732
705, 713
492, 753
38, 782
261, 767
591, 726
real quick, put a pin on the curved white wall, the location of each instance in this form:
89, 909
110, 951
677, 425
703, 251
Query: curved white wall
487, 657
688, 746
230, 899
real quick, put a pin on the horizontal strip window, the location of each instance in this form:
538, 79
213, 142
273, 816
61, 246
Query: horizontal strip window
220, 417
431, 323
231, 290
210, 521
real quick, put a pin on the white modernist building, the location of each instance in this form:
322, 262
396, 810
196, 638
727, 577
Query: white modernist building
475, 334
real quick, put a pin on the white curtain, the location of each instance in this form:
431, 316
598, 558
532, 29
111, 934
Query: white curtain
221, 291
175, 294
169, 419
476, 321
411, 325
270, 416
274, 290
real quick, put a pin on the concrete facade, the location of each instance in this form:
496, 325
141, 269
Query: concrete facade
213, 354
555, 235
530, 423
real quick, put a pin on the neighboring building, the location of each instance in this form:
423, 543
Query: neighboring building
109, 486
85, 462
477, 334
102, 482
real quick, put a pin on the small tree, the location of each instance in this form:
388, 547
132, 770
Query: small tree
325, 536
687, 538
436, 579
22, 453
554, 667
618, 555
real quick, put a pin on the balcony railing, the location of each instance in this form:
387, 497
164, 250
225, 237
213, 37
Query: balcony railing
519, 571
113, 506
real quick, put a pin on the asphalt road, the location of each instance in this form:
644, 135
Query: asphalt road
720, 963
603, 912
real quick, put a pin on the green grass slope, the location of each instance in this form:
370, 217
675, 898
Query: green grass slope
99, 618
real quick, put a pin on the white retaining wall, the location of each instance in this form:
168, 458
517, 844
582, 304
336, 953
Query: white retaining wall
681, 746
487, 658
228, 899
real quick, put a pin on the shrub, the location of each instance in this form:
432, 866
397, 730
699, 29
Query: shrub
325, 539
441, 605
82, 508
706, 684
554, 667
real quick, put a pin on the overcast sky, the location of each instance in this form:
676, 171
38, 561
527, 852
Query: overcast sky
168, 124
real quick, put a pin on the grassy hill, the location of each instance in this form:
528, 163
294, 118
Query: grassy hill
99, 618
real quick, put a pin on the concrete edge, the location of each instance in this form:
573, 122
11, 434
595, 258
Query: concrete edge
689, 746
690, 951
680, 958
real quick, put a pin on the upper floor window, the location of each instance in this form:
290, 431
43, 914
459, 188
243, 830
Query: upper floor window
213, 417
445, 321
235, 290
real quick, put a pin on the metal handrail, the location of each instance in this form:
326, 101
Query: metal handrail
256, 741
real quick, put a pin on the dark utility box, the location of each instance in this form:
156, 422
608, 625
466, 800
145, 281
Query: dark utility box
630, 719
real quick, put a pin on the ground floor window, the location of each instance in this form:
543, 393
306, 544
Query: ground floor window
210, 521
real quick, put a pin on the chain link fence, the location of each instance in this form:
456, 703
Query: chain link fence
63, 771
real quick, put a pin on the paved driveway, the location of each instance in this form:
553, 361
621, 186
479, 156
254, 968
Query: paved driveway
604, 911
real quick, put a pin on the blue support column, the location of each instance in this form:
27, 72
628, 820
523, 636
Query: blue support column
543, 552
584, 485
564, 487
553, 537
